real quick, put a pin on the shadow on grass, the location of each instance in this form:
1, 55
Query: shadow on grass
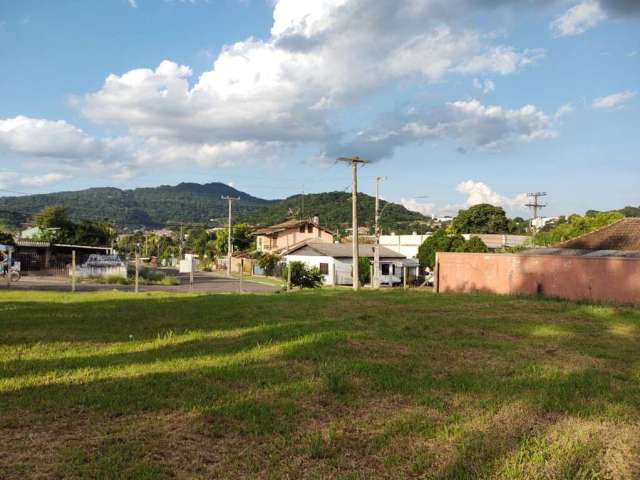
258, 365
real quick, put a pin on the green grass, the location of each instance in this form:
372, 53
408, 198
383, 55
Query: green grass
323, 384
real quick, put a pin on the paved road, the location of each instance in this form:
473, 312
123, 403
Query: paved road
203, 283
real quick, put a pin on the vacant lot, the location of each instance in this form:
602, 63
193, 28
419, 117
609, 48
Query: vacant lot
326, 384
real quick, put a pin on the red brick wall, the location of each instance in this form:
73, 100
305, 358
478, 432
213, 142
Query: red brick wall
610, 280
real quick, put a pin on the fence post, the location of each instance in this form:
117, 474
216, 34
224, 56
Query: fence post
404, 276
436, 275
191, 274
371, 281
73, 270
9, 258
288, 277
137, 280
333, 271
241, 273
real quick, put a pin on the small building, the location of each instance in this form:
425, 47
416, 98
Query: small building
334, 261
45, 257
408, 245
281, 236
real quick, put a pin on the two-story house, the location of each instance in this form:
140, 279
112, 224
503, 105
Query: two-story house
284, 235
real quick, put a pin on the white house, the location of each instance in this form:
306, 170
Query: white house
407, 245
334, 261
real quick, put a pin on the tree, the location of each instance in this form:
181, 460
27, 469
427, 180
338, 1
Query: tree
440, 241
482, 218
303, 276
364, 270
54, 220
574, 226
473, 245
6, 238
268, 262
242, 238
89, 232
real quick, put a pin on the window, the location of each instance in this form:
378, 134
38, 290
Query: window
309, 228
324, 269
385, 269
301, 228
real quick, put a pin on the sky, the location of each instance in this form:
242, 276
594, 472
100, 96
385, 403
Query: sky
453, 102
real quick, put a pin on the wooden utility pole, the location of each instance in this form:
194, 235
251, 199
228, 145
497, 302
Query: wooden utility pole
229, 244
354, 222
376, 248
137, 279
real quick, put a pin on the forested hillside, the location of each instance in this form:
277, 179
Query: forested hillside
195, 203
334, 210
141, 207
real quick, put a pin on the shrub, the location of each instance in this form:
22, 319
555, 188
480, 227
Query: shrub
112, 280
268, 262
303, 276
364, 270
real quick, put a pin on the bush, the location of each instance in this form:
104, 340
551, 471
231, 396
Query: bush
303, 276
364, 270
473, 245
268, 262
442, 242
112, 280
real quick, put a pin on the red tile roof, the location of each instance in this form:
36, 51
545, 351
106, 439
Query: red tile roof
621, 235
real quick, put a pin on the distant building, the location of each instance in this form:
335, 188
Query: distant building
541, 222
281, 236
407, 245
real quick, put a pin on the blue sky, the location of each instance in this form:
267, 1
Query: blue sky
454, 102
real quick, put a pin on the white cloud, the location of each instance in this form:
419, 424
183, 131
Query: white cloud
262, 96
613, 100
268, 94
468, 122
7, 178
45, 138
565, 109
578, 19
414, 205
487, 86
478, 192
43, 180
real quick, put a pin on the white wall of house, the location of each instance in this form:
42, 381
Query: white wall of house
342, 268
407, 245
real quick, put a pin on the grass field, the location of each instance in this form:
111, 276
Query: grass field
327, 384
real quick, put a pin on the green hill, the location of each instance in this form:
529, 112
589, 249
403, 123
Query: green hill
334, 210
195, 203
137, 208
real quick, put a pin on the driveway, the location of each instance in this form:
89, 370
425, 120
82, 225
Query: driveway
203, 282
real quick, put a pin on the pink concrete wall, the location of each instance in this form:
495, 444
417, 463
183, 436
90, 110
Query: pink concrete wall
609, 280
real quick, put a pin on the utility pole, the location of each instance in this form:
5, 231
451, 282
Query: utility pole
229, 244
180, 243
376, 249
354, 161
535, 205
